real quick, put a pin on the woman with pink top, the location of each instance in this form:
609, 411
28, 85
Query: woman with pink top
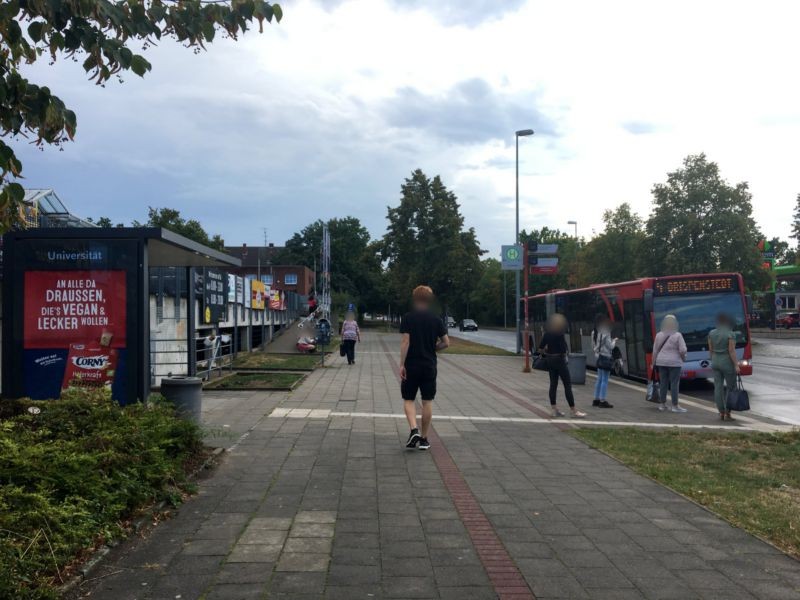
669, 352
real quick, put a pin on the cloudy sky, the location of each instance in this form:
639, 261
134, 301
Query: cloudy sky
326, 113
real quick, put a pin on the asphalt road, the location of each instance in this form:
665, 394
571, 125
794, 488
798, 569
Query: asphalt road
774, 386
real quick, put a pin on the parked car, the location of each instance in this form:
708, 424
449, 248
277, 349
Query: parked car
468, 325
451, 322
788, 320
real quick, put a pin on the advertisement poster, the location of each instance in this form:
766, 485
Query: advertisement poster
231, 288
247, 293
215, 296
239, 290
276, 301
259, 295
74, 329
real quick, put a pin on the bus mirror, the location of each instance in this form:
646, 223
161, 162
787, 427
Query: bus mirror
648, 301
748, 302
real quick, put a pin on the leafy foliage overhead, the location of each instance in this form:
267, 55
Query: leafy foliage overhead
100, 33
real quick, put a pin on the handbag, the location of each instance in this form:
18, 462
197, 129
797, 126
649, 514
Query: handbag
539, 362
738, 399
605, 362
653, 389
342, 351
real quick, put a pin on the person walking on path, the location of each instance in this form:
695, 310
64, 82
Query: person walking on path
350, 335
669, 353
424, 333
554, 346
603, 345
724, 363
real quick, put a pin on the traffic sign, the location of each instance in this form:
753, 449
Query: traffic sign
511, 257
778, 302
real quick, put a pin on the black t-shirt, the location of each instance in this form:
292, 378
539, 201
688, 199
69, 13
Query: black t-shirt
555, 343
424, 329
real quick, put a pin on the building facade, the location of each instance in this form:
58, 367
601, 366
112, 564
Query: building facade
259, 262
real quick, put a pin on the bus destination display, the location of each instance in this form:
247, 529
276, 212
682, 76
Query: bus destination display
700, 285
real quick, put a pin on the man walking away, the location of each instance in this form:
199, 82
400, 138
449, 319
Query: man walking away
423, 334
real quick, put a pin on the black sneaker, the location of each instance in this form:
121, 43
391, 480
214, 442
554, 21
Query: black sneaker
596, 402
424, 444
413, 438
604, 404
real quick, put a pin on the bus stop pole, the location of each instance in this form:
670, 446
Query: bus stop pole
191, 322
527, 339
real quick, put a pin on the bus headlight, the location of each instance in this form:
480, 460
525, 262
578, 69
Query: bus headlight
744, 363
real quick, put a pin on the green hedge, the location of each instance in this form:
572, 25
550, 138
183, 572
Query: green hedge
71, 475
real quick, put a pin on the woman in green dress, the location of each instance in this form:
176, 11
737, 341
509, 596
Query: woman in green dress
722, 348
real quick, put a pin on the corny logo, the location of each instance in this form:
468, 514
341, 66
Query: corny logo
90, 362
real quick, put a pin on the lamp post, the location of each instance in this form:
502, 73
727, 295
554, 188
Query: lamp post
575, 223
519, 134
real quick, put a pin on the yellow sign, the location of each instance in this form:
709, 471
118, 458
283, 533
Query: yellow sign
208, 315
258, 298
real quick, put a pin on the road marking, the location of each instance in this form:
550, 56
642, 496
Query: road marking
297, 413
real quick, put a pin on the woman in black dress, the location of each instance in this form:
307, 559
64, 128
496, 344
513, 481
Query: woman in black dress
554, 347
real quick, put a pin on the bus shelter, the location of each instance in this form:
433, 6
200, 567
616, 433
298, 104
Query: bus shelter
76, 306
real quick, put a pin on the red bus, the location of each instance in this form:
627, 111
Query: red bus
636, 309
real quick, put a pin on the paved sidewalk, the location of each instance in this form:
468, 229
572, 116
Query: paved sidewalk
317, 499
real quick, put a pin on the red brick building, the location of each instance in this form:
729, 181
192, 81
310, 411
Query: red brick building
261, 260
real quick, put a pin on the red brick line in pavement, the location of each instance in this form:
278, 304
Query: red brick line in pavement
503, 392
503, 573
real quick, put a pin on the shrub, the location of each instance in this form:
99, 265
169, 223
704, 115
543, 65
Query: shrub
71, 474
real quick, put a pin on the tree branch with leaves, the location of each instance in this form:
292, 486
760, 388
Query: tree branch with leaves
100, 32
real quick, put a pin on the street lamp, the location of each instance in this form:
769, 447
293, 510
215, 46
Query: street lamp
576, 227
519, 134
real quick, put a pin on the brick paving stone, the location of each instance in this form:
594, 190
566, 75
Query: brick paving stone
244, 573
303, 562
324, 530
236, 591
255, 553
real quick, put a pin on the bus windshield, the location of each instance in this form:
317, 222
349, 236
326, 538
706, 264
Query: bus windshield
697, 316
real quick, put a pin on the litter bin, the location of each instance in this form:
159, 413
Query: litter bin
185, 393
577, 368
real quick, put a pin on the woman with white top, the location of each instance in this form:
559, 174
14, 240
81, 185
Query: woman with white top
669, 353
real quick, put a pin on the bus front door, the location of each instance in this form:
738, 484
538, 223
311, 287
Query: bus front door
635, 338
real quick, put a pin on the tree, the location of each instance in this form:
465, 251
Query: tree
171, 219
105, 222
101, 31
701, 224
426, 243
795, 235
614, 255
356, 270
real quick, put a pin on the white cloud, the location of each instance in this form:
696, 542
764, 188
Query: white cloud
326, 113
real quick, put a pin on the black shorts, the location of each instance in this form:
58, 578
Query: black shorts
420, 378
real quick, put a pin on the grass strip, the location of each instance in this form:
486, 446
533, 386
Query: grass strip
750, 479
263, 360
256, 381
462, 346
